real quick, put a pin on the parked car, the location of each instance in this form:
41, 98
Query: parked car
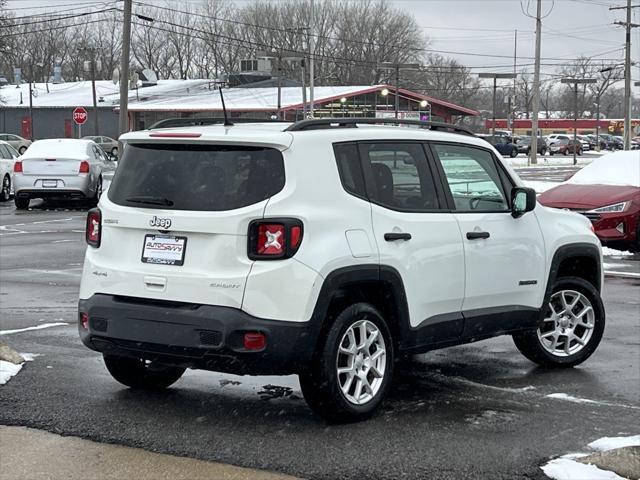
613, 142
502, 144
58, 168
595, 140
17, 142
524, 145
8, 156
107, 144
307, 249
565, 147
586, 143
607, 191
556, 137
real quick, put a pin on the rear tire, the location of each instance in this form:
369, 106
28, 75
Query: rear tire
514, 152
5, 194
140, 374
552, 345
22, 203
22, 150
96, 198
352, 369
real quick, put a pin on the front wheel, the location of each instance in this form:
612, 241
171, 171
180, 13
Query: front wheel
352, 369
543, 152
142, 374
572, 328
96, 198
5, 194
514, 153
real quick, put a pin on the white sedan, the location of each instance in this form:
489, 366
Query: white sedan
8, 156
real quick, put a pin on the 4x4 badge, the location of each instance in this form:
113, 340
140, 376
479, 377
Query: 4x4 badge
162, 223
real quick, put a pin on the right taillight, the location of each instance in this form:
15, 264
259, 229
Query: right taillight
84, 167
93, 233
274, 239
17, 167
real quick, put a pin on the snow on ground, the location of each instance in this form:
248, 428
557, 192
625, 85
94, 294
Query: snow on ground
610, 252
609, 443
565, 468
548, 161
8, 370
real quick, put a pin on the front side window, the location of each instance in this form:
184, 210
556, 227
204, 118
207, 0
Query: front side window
400, 176
196, 177
473, 178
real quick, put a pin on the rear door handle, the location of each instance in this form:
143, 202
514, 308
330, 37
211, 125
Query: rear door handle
390, 237
477, 235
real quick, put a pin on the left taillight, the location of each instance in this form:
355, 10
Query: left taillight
84, 167
93, 233
274, 239
17, 167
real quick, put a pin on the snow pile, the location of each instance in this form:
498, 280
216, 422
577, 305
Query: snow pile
566, 468
8, 370
617, 168
609, 443
610, 252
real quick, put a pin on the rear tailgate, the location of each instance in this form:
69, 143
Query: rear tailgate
175, 222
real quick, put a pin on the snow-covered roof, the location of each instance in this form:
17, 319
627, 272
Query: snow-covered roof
79, 94
192, 96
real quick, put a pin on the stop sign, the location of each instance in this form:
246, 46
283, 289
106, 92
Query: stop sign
79, 115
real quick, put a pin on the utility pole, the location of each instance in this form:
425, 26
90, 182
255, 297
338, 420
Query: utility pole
627, 72
312, 49
31, 136
512, 103
92, 69
279, 71
123, 119
397, 67
495, 77
536, 86
576, 82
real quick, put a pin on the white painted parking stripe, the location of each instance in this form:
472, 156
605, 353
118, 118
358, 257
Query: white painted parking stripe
609, 273
37, 327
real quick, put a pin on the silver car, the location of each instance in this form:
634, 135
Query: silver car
107, 144
8, 156
59, 168
16, 141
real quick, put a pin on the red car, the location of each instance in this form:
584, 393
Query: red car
607, 191
565, 147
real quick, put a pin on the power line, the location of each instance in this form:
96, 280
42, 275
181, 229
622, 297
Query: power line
66, 17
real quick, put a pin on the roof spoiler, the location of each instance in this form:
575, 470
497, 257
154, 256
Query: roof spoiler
195, 122
323, 123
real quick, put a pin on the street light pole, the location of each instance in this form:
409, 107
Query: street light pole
123, 119
397, 67
575, 82
495, 77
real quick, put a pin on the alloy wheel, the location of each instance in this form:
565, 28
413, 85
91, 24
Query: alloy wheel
569, 323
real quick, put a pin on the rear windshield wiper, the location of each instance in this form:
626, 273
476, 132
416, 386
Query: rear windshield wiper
150, 200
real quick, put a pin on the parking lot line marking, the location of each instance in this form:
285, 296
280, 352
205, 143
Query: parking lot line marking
570, 398
622, 274
37, 327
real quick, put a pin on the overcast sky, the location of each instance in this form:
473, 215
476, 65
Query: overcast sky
471, 30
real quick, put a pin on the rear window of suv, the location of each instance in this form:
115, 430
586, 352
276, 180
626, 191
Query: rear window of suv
196, 177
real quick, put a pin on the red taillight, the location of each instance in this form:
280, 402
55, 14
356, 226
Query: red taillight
271, 239
17, 167
84, 167
254, 341
274, 238
93, 233
84, 321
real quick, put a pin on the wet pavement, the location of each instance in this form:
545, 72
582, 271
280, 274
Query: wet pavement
476, 411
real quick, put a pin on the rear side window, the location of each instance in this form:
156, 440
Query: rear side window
349, 168
196, 177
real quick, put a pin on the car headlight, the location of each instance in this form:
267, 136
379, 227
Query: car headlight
617, 207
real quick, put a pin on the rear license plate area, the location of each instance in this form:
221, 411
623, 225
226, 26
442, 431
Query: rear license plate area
164, 249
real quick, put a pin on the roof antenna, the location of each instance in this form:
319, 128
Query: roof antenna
227, 123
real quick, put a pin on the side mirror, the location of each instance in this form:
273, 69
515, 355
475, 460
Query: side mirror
523, 200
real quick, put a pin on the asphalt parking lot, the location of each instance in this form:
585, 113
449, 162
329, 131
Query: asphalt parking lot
476, 411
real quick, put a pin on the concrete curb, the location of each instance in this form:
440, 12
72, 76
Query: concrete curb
8, 354
28, 454
623, 461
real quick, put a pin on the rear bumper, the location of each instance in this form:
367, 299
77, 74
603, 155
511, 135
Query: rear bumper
32, 186
194, 335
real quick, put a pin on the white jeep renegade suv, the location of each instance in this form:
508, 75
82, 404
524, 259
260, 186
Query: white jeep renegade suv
327, 248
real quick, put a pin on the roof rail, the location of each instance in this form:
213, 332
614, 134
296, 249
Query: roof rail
198, 121
321, 123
